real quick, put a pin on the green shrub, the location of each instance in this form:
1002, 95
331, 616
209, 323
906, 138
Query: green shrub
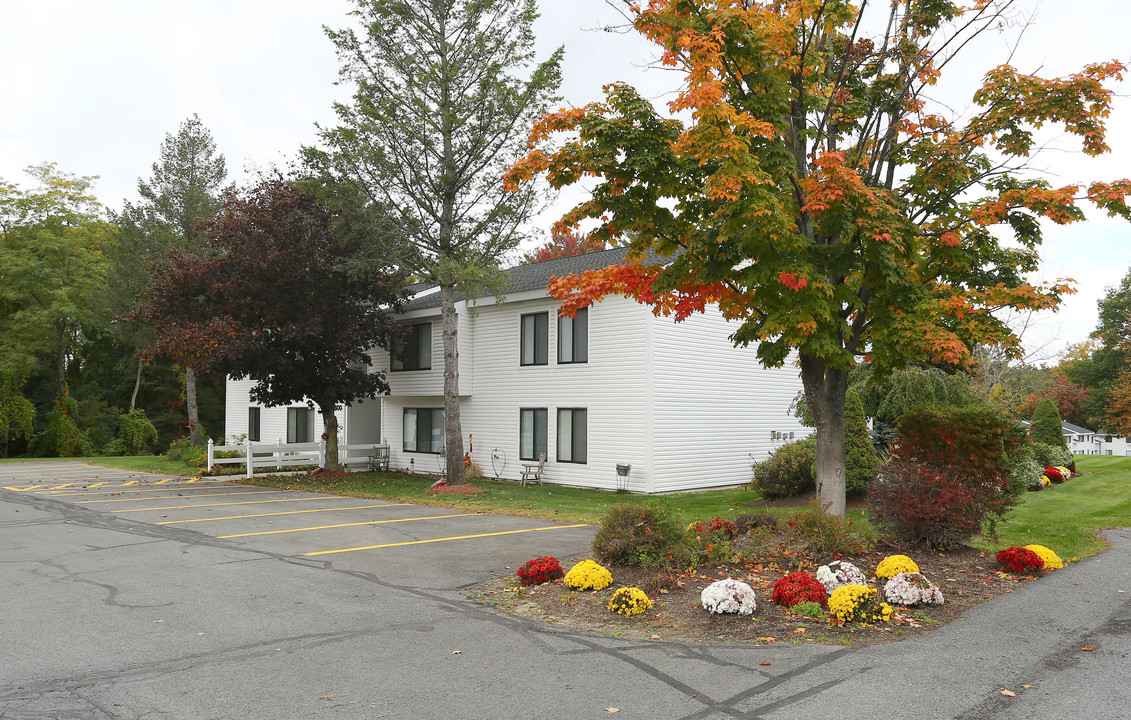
1027, 473
789, 471
135, 435
1045, 426
860, 455
182, 449
648, 536
61, 437
1045, 455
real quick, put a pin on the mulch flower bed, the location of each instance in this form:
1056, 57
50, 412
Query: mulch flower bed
967, 577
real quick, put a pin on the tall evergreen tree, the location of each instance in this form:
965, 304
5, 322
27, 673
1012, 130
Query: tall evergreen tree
445, 90
187, 185
1046, 425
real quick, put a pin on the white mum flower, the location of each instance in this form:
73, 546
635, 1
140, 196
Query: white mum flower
838, 574
728, 596
912, 589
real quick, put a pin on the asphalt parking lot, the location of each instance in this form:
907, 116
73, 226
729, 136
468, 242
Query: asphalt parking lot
458, 548
133, 596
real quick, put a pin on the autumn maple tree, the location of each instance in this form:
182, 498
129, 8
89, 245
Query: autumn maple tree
271, 297
565, 242
803, 183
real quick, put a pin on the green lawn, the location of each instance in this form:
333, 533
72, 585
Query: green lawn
1065, 518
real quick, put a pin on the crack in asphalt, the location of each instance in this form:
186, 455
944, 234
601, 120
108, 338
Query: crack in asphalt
529, 630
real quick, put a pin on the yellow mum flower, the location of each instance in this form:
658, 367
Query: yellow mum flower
588, 575
1052, 560
630, 601
893, 565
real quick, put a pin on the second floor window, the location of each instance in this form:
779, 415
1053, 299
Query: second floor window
535, 339
414, 352
573, 338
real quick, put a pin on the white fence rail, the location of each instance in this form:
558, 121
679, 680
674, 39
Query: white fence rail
281, 455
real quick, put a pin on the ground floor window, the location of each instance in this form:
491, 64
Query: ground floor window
572, 432
300, 425
253, 424
424, 430
531, 433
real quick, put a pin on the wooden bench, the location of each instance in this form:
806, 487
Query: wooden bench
532, 472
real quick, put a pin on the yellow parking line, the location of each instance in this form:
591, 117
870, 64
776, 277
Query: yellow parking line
134, 482
288, 512
173, 497
249, 502
353, 524
60, 487
22, 489
112, 491
458, 537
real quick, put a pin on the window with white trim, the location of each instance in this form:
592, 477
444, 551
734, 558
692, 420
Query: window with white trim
572, 435
534, 339
300, 425
423, 430
531, 433
573, 338
414, 351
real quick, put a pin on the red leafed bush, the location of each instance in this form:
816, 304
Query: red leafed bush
718, 526
928, 506
540, 570
975, 445
1021, 560
798, 587
1054, 474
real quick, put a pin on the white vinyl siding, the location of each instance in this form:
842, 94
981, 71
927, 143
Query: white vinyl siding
716, 407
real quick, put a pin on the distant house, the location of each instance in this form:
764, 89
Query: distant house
614, 385
1082, 441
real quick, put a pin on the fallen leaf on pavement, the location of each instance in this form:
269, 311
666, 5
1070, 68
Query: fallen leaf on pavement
1008, 693
766, 662
1088, 649
612, 710
457, 652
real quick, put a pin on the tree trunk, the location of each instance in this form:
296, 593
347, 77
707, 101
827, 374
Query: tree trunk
137, 382
330, 428
453, 429
61, 356
195, 436
825, 390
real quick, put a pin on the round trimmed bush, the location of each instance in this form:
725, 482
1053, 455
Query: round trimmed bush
647, 536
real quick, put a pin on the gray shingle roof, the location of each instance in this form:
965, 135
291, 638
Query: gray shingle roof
535, 276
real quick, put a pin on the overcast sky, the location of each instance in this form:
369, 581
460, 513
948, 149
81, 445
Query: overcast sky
94, 86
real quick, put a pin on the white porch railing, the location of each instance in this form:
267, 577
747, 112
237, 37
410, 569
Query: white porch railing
280, 455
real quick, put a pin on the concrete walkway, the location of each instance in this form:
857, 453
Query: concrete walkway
110, 614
